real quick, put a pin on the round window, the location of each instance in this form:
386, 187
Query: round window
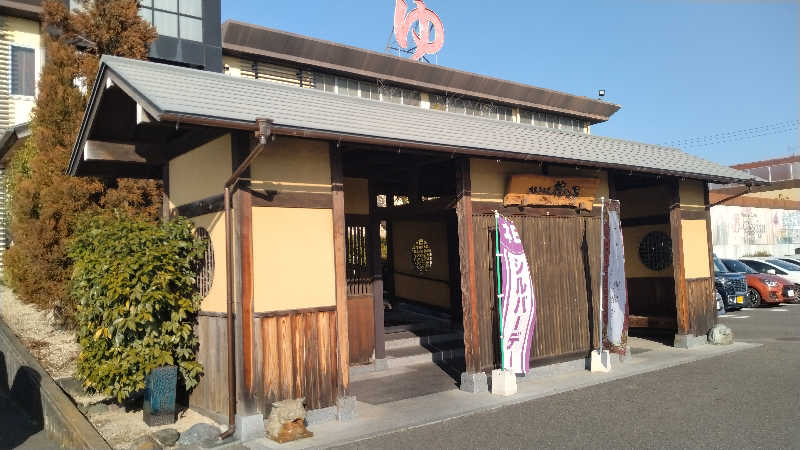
421, 256
204, 273
655, 250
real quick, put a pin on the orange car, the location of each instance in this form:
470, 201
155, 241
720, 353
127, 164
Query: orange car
763, 287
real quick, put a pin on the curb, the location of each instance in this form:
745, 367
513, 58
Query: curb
44, 401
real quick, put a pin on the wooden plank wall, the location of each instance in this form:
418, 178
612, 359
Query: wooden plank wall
564, 256
294, 356
361, 327
702, 313
211, 393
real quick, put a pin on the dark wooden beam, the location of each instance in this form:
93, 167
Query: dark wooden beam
94, 150
466, 255
207, 205
340, 270
310, 200
374, 246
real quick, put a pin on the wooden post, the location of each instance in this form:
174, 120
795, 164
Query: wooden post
709, 237
374, 236
343, 341
466, 256
165, 210
241, 145
678, 270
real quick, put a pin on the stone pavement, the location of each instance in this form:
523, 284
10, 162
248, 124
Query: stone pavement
405, 414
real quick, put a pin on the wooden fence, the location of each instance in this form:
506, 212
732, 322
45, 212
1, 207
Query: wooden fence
564, 256
294, 356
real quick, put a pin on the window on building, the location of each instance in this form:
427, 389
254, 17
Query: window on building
23, 71
525, 116
175, 18
410, 97
369, 90
438, 102
505, 113
540, 119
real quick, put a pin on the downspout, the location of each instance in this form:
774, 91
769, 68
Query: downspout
746, 191
262, 133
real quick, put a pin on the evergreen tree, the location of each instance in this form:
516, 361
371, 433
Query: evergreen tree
45, 202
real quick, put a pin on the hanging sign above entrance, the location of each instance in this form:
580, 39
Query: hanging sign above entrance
544, 190
425, 44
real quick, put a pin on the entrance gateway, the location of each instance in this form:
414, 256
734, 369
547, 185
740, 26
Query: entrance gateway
409, 201
289, 270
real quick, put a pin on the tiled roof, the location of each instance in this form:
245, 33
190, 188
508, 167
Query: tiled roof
167, 89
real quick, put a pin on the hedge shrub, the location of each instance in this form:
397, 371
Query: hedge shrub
134, 287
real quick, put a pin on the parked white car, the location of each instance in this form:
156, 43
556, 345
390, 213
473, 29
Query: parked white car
774, 266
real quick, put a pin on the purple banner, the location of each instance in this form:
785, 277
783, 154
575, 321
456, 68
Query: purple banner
518, 303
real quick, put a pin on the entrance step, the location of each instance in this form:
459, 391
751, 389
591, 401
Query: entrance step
444, 350
421, 337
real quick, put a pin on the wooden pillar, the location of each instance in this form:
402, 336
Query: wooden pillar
241, 145
709, 237
343, 342
678, 270
374, 236
466, 256
165, 210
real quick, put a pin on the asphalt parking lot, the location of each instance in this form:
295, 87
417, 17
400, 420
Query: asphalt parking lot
746, 399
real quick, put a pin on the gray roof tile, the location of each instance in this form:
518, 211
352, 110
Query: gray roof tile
178, 90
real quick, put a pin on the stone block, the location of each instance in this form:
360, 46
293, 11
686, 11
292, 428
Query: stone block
689, 341
346, 408
600, 361
720, 334
504, 382
474, 382
319, 416
249, 427
197, 434
167, 437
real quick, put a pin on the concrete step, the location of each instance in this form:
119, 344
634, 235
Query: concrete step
417, 338
439, 352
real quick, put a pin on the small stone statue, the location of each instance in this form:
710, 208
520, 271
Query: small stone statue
286, 421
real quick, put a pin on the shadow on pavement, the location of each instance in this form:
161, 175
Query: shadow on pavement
19, 424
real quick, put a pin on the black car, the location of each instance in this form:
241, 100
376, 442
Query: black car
731, 286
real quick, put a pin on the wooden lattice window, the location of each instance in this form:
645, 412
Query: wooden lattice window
655, 250
204, 273
421, 256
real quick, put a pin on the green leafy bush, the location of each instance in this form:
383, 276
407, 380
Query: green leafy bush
134, 286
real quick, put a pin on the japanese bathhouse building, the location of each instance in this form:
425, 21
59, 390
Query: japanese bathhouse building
364, 208
761, 219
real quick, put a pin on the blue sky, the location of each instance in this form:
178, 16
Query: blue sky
680, 69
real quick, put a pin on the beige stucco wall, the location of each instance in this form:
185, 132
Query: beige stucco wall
695, 248
293, 262
293, 165
23, 33
200, 173
490, 177
356, 196
692, 194
433, 288
632, 237
215, 301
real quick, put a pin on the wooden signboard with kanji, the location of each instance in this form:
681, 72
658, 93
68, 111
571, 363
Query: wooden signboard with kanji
545, 190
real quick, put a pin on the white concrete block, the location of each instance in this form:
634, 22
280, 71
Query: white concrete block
504, 382
601, 361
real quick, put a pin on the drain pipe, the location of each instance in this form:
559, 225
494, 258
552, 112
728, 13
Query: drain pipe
262, 133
